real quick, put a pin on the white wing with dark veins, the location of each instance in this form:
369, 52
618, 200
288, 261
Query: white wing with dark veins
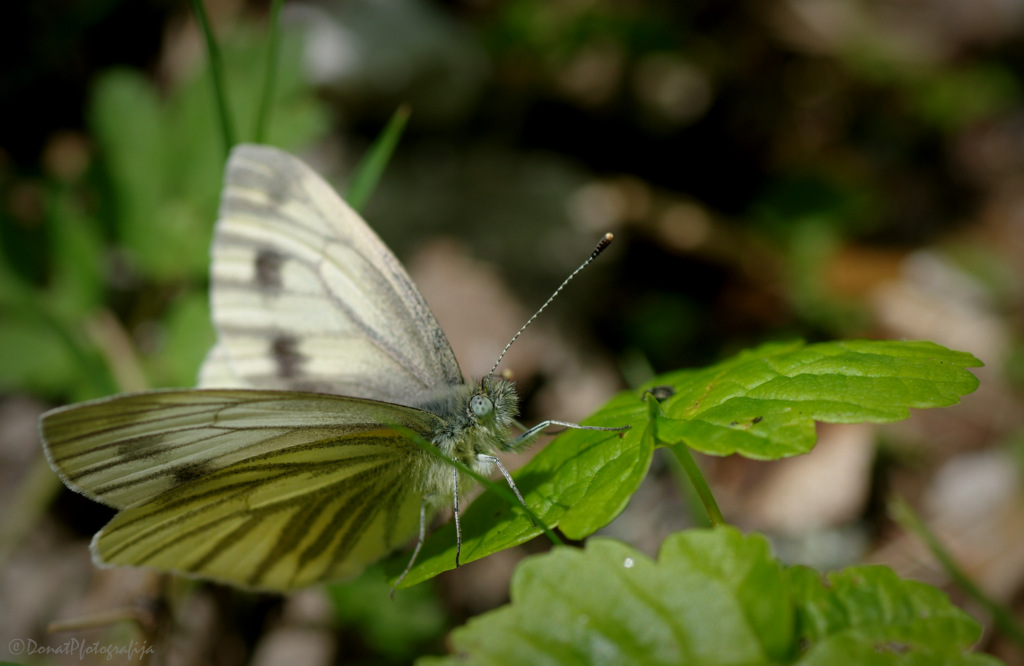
305, 296
265, 489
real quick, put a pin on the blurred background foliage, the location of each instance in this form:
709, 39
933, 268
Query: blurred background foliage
772, 169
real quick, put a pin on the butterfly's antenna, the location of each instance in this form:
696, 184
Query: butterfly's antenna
605, 242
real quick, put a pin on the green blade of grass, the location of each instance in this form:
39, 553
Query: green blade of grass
270, 80
216, 75
371, 167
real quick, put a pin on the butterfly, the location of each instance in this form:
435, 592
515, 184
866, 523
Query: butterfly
295, 462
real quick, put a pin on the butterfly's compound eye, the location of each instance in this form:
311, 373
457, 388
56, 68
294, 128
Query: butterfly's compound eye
481, 405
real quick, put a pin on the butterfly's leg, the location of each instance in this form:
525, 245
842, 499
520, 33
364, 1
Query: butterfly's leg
537, 429
455, 507
508, 477
419, 544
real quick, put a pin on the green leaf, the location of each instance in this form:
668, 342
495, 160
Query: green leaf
371, 168
163, 155
1002, 615
760, 404
763, 403
34, 357
162, 222
713, 597
868, 614
127, 119
43, 354
187, 335
78, 280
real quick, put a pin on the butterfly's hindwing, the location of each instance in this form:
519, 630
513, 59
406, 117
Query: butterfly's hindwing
269, 489
306, 297
130, 449
281, 520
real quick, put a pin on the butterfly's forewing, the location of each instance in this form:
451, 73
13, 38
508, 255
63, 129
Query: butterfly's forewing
306, 297
266, 489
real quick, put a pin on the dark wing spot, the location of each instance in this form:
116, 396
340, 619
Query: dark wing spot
190, 472
278, 190
135, 450
268, 268
286, 355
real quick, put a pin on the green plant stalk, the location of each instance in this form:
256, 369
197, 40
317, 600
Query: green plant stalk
689, 465
216, 75
371, 167
33, 497
693, 473
902, 512
263, 115
699, 518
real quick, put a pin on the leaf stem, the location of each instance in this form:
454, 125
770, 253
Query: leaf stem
693, 473
1003, 618
689, 465
699, 517
269, 82
216, 75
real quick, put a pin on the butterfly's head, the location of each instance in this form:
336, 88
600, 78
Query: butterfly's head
495, 402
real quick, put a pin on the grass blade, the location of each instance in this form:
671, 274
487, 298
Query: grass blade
270, 80
368, 173
216, 75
